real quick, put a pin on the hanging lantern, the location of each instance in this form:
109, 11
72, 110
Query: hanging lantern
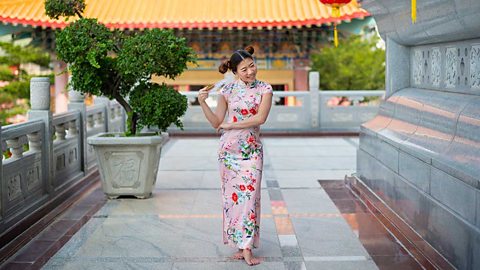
335, 5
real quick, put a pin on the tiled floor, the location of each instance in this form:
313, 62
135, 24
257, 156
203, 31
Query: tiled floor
49, 241
304, 225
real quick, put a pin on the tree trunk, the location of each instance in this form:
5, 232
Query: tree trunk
132, 124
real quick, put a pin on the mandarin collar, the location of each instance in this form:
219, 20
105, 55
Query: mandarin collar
247, 85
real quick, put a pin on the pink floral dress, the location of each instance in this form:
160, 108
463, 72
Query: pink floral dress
241, 162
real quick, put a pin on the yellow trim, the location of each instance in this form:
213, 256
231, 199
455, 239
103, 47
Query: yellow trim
204, 77
188, 13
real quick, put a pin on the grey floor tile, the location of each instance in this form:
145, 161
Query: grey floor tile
312, 151
309, 163
327, 237
99, 265
336, 265
144, 236
209, 163
351, 247
307, 178
279, 142
312, 231
180, 180
308, 201
295, 265
228, 266
162, 202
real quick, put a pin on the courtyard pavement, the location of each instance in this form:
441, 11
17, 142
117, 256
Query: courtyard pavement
180, 226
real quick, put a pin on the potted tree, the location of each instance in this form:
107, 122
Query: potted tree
110, 63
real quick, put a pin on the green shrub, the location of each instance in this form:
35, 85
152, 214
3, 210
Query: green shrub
112, 64
356, 64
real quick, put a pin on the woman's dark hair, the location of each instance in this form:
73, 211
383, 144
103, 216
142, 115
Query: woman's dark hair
235, 59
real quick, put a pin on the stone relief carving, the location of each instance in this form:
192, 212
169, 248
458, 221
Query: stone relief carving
14, 189
435, 67
475, 67
418, 72
33, 176
451, 73
60, 164
125, 166
72, 155
446, 66
90, 149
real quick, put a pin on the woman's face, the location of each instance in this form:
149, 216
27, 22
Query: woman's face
247, 70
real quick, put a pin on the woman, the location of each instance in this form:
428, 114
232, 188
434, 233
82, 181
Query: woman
248, 103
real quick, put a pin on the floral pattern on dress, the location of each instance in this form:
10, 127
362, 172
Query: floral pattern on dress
240, 158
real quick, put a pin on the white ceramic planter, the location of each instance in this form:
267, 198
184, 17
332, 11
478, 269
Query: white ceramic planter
128, 165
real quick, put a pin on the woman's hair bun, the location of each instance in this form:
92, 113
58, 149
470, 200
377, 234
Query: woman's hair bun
224, 66
250, 49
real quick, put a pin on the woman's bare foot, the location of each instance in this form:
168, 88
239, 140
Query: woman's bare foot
238, 255
248, 257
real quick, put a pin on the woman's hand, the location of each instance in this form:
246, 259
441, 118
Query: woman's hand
202, 95
225, 126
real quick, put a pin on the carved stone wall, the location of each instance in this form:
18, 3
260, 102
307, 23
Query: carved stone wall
421, 153
450, 66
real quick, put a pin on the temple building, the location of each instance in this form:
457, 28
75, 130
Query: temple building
283, 33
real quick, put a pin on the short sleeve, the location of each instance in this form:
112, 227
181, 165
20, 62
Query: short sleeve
266, 89
223, 92
226, 90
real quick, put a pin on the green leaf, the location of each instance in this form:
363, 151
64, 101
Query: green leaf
158, 105
56, 8
92, 60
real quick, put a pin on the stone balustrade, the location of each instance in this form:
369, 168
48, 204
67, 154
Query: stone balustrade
47, 156
308, 111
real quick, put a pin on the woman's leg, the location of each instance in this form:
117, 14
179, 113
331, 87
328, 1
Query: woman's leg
249, 258
238, 255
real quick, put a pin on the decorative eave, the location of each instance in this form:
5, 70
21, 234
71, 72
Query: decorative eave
187, 14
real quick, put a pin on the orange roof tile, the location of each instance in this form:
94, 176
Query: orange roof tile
139, 14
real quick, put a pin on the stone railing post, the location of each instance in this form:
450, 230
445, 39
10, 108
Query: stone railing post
40, 109
314, 86
77, 102
107, 112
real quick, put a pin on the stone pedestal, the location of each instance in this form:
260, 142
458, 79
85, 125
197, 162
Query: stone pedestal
77, 102
314, 86
40, 109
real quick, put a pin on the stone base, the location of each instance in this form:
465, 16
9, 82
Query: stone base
415, 200
418, 247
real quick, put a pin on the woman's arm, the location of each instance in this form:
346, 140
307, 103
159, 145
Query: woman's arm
215, 119
256, 120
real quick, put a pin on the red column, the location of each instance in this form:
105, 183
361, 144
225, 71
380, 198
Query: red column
61, 81
300, 75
